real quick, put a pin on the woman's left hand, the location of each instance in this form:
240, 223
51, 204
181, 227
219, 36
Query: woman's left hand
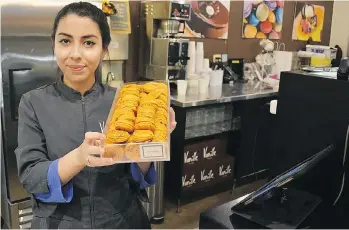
173, 122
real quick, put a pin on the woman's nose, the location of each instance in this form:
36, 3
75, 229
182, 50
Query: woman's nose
75, 52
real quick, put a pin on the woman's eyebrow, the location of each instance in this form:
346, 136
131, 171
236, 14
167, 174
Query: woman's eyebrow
84, 37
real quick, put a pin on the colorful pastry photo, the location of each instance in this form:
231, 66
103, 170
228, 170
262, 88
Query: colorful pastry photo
262, 19
308, 22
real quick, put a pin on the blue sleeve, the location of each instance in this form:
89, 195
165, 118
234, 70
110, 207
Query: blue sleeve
57, 193
146, 180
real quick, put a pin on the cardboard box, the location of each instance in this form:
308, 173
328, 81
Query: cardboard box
130, 151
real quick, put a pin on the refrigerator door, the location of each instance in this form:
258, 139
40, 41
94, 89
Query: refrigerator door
27, 63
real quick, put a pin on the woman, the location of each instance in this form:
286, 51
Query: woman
58, 136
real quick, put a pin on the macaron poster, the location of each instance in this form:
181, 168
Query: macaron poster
308, 22
262, 19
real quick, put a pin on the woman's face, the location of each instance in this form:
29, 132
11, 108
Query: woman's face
78, 48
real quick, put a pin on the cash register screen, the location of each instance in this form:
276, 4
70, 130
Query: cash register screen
285, 177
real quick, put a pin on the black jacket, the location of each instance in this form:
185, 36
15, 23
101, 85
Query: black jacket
53, 120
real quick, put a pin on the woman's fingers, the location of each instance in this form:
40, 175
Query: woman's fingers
99, 161
173, 122
91, 137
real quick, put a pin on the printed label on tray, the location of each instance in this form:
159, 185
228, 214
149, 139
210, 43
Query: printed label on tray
188, 183
190, 159
209, 154
224, 171
207, 177
153, 151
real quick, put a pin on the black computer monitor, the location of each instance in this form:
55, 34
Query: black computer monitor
284, 178
312, 113
275, 205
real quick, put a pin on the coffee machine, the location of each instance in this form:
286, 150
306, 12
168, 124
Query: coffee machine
163, 53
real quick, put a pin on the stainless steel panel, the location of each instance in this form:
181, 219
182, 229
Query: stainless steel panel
27, 63
223, 94
155, 209
29, 18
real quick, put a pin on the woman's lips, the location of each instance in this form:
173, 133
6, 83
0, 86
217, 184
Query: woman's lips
77, 68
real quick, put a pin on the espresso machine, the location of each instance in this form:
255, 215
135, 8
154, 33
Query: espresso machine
164, 54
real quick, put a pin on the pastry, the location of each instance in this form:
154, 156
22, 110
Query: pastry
163, 98
162, 111
117, 152
130, 97
160, 137
132, 152
141, 136
162, 104
127, 117
161, 119
116, 136
142, 95
119, 112
149, 126
149, 87
155, 94
161, 127
146, 112
125, 125
145, 102
127, 106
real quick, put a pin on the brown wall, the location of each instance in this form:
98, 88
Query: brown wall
234, 46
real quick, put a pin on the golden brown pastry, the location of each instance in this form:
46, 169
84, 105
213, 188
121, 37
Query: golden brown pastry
161, 127
145, 126
161, 119
127, 106
117, 152
127, 117
116, 136
130, 97
162, 104
144, 119
154, 95
132, 152
146, 112
163, 98
141, 136
125, 125
160, 136
162, 111
150, 86
119, 112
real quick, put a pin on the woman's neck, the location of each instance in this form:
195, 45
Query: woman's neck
81, 87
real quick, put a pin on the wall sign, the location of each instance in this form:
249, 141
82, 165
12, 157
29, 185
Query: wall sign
118, 13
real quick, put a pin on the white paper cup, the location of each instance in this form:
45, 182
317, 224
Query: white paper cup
215, 91
203, 86
216, 78
193, 83
182, 87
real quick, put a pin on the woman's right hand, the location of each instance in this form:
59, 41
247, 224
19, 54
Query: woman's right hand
90, 152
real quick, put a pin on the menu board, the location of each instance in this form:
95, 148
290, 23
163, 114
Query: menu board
118, 13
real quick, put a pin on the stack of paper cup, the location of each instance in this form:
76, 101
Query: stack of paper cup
181, 87
203, 86
199, 57
206, 65
191, 55
216, 78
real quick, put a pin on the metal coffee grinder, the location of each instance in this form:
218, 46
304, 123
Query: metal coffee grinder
164, 54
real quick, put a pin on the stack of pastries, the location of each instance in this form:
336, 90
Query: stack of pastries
140, 115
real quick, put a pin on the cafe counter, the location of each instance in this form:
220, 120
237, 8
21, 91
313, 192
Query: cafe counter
213, 134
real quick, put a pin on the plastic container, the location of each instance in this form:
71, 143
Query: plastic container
129, 152
329, 52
